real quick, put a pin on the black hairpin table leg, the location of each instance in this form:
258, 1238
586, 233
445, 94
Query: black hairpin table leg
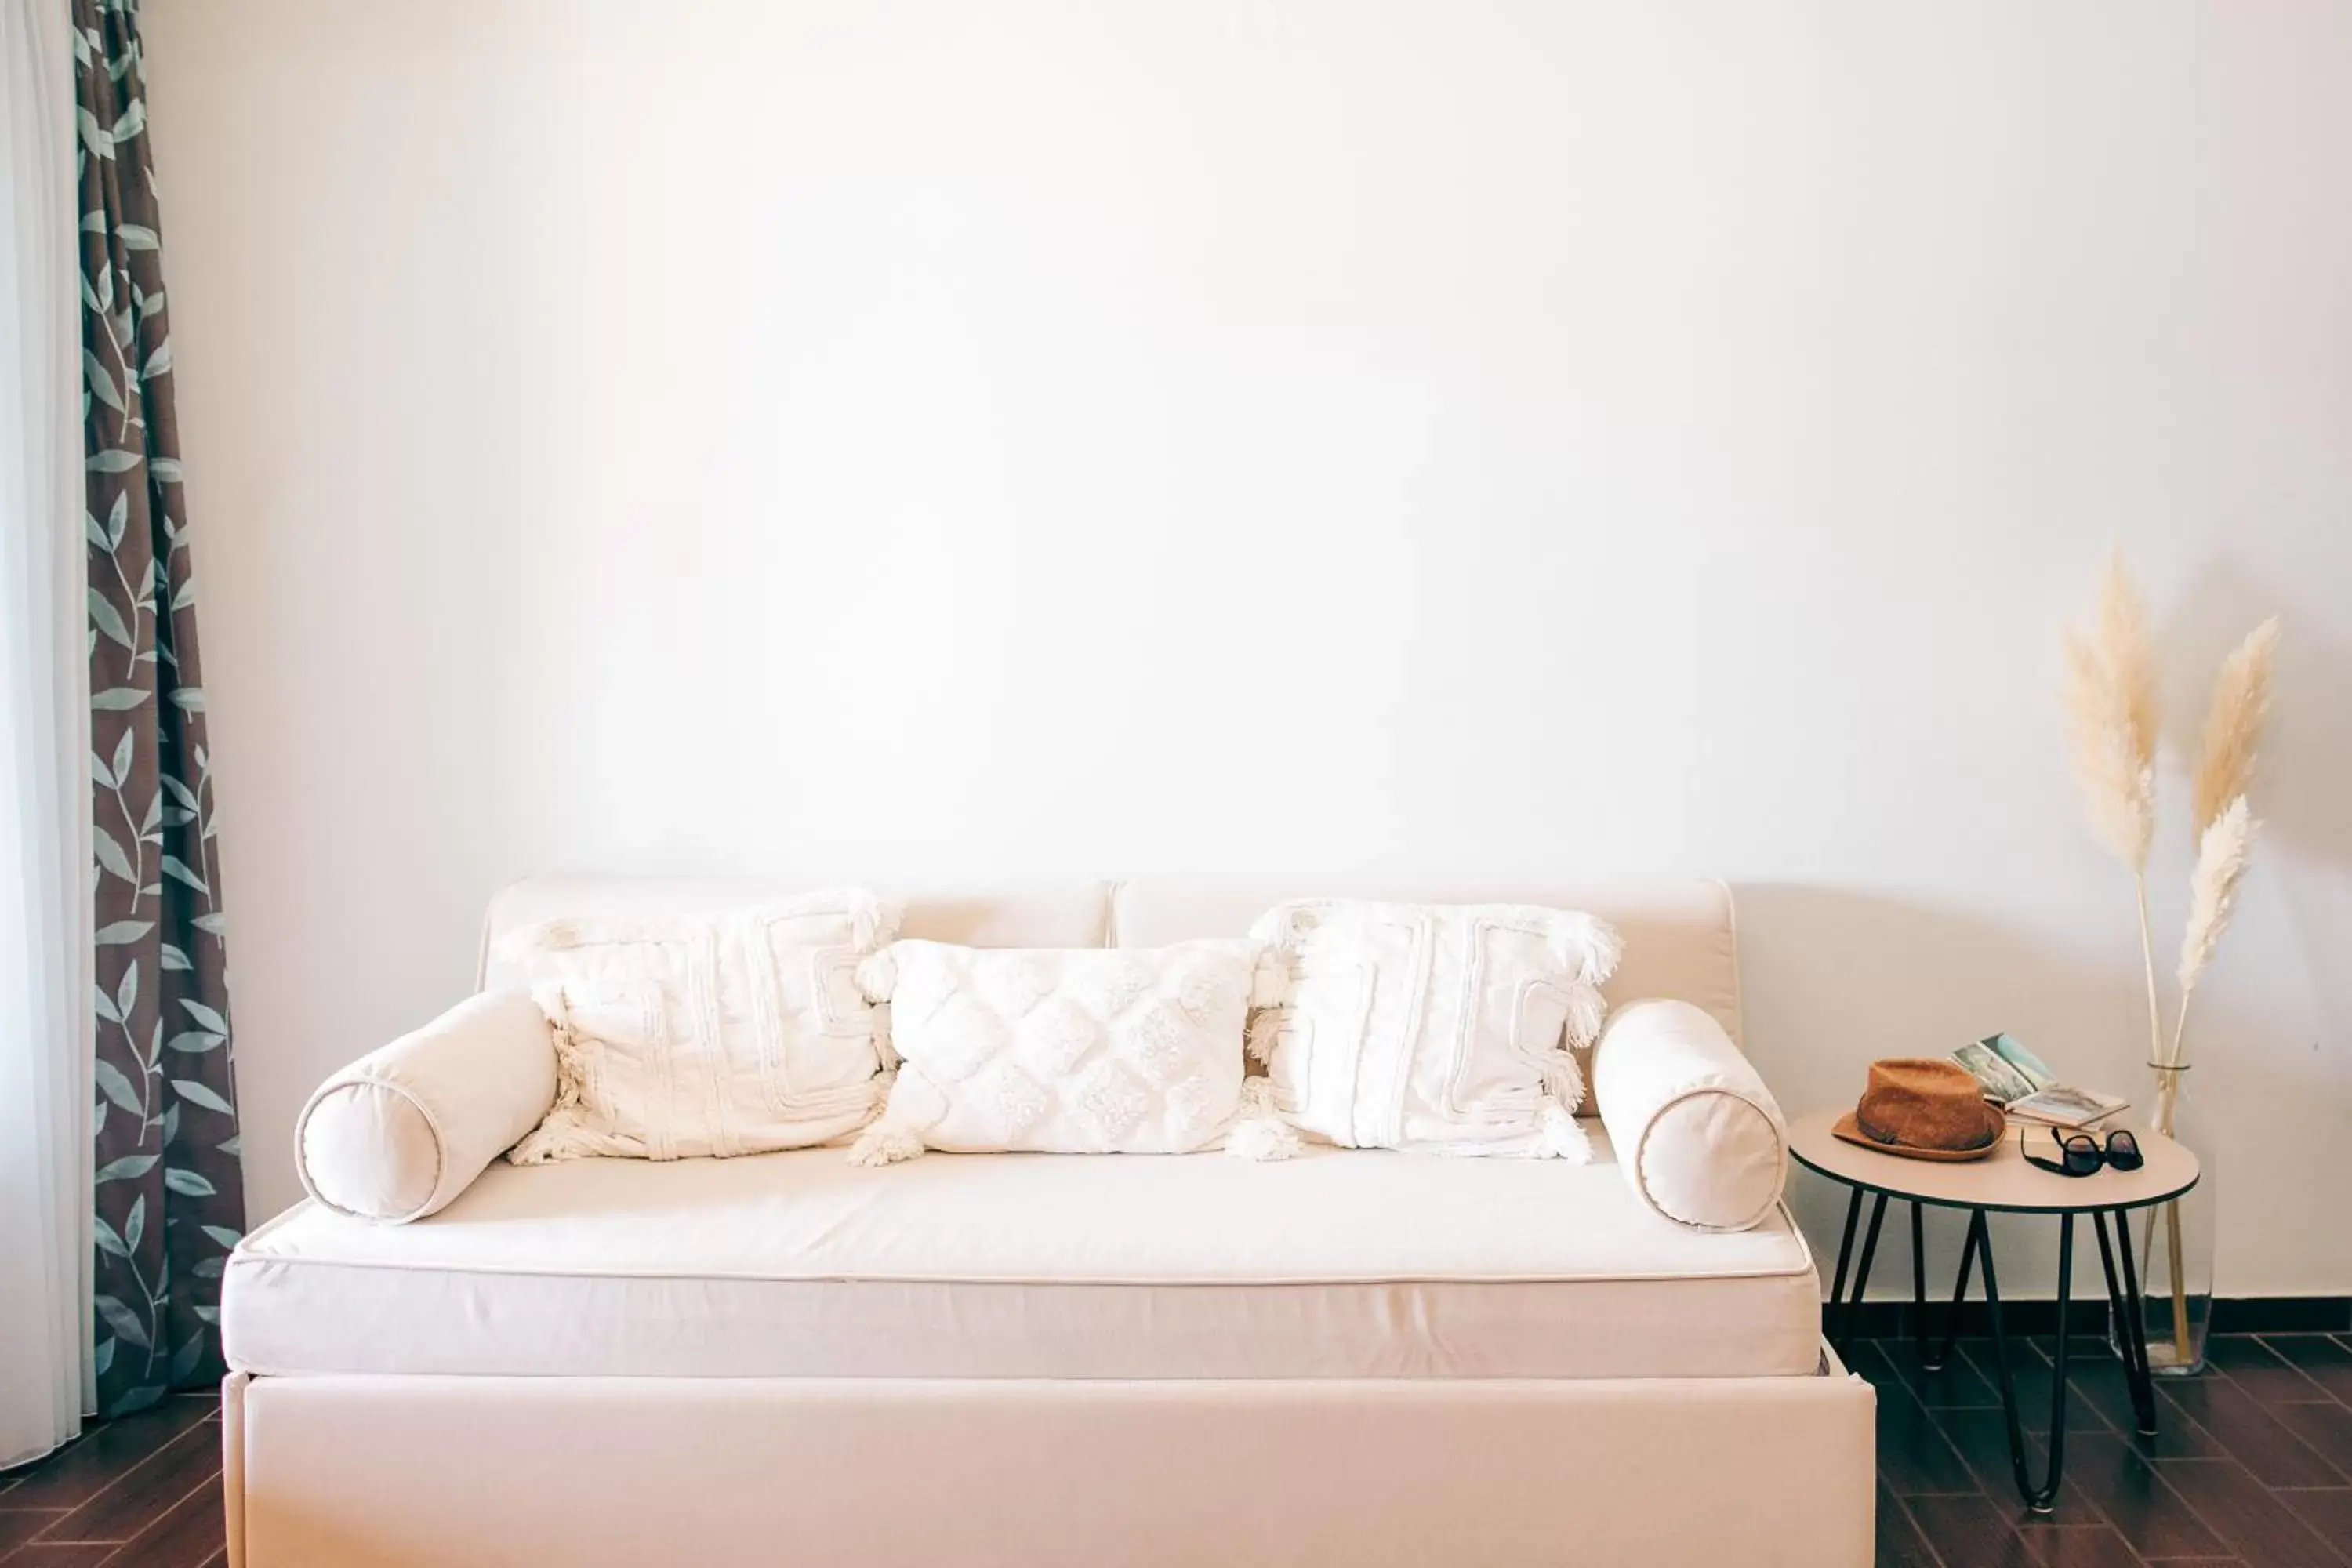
1959, 1294
1842, 1308
2165, 1172
1836, 1320
2037, 1498
1919, 1287
2129, 1321
1869, 1251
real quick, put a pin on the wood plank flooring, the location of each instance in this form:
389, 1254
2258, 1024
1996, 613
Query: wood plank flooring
141, 1492
2251, 1465
2253, 1468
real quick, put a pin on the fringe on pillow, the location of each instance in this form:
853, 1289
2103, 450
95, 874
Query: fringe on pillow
884, 1144
878, 976
874, 920
560, 1135
1564, 1080
1604, 947
1258, 1045
1564, 1137
1258, 1132
1587, 1012
1270, 978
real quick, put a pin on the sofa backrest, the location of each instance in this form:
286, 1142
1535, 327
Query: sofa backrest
1071, 914
1679, 934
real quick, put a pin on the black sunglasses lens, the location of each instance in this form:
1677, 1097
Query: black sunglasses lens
2123, 1152
2083, 1155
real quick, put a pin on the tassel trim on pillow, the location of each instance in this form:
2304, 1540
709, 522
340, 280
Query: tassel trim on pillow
560, 1135
1258, 1132
1604, 947
883, 1144
1564, 1137
874, 920
1563, 1080
1588, 1011
1270, 978
878, 976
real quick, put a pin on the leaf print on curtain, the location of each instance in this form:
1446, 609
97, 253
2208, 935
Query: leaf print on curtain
169, 1189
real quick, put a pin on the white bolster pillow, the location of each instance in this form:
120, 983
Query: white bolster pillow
403, 1130
1699, 1136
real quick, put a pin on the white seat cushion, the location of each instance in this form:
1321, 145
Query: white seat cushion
1341, 1263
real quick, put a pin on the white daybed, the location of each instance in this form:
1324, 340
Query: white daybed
1354, 1356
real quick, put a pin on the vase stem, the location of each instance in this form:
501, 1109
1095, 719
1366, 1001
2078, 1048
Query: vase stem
2182, 1354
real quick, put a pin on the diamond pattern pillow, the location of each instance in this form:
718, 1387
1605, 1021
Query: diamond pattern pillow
1061, 1050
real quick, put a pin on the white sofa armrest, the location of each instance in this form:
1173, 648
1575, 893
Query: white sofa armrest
1699, 1136
400, 1132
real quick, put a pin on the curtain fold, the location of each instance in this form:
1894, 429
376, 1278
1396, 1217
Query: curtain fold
45, 1020
169, 1183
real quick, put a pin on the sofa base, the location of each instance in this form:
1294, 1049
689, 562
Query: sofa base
368, 1471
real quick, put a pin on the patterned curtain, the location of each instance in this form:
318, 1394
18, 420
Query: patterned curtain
169, 1190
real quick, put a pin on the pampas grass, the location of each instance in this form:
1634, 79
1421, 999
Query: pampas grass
2212, 899
2112, 714
2234, 726
2111, 706
2213, 889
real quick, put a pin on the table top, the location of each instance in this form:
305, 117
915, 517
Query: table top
2001, 1180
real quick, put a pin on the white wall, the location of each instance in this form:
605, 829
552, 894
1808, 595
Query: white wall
914, 439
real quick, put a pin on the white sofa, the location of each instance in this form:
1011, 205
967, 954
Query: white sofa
1354, 1356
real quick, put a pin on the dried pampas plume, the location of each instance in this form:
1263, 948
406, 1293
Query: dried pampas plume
2111, 716
2130, 659
2212, 899
2213, 895
2111, 708
2234, 726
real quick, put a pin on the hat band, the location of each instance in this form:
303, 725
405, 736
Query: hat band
1884, 1136
1877, 1132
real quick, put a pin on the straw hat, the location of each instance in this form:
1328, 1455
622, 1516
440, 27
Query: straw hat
1923, 1109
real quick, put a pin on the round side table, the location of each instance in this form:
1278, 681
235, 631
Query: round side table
2003, 1183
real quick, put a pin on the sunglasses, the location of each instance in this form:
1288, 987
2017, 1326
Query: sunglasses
2079, 1154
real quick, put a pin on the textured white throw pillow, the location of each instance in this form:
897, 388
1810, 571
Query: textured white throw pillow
1061, 1050
726, 1033
1435, 1028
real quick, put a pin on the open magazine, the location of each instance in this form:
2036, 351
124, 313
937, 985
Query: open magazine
2023, 1084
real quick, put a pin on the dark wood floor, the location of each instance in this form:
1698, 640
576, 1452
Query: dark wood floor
2251, 1463
141, 1492
2252, 1467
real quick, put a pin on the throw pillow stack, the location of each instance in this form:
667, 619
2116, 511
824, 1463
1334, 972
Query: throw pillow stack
1425, 1027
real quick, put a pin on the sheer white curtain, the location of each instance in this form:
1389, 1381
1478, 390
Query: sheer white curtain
45, 1027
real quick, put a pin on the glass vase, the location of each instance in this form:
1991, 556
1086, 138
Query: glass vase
2174, 1244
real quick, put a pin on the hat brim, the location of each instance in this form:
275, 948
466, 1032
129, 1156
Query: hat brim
1849, 1127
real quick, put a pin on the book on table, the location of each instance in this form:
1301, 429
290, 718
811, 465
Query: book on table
2023, 1084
